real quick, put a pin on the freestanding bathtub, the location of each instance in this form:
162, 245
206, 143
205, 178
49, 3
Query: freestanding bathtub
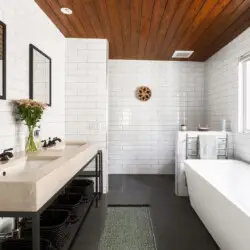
219, 192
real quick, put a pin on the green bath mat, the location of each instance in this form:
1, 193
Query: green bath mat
128, 228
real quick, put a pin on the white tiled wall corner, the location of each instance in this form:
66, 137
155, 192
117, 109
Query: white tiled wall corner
221, 91
87, 94
28, 24
142, 134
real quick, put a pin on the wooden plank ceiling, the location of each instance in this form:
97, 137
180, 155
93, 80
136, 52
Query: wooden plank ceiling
153, 29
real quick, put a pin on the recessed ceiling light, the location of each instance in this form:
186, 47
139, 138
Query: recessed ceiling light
182, 53
66, 11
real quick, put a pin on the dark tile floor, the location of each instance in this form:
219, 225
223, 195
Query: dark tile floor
176, 226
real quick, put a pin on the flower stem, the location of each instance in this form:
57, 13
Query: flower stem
31, 145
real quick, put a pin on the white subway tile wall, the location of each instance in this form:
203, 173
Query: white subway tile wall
40, 31
142, 134
221, 91
87, 94
26, 23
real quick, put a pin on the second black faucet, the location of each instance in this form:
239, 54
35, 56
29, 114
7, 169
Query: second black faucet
50, 143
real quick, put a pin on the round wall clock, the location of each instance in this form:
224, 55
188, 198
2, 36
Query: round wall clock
143, 93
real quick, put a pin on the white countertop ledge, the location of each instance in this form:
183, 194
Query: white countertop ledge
30, 190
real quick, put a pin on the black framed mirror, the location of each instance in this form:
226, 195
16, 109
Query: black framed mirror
40, 75
2, 61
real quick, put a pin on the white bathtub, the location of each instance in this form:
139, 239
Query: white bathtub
219, 192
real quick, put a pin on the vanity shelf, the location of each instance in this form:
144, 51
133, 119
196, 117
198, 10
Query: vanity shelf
35, 216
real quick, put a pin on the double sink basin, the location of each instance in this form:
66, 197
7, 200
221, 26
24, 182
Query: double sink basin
27, 182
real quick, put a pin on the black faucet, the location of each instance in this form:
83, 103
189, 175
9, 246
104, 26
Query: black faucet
56, 139
45, 144
6, 155
50, 143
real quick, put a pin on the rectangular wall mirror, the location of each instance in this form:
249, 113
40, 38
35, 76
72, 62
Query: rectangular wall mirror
2, 60
40, 76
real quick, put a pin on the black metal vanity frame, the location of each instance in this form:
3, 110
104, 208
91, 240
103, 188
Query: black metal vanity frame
35, 216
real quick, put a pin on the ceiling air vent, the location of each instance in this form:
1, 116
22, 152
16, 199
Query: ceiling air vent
182, 53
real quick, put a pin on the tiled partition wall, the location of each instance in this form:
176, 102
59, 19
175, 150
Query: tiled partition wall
26, 23
221, 91
142, 134
87, 93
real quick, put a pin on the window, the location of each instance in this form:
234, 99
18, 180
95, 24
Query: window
244, 94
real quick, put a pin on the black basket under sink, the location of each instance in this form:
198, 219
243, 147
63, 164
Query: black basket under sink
54, 226
25, 244
83, 187
76, 203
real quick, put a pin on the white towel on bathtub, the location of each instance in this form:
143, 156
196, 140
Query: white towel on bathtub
208, 145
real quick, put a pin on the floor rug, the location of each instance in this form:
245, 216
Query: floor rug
128, 228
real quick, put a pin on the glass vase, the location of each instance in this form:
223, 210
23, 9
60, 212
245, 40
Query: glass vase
30, 144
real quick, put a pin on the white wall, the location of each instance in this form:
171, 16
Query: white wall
26, 23
142, 134
221, 91
87, 93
